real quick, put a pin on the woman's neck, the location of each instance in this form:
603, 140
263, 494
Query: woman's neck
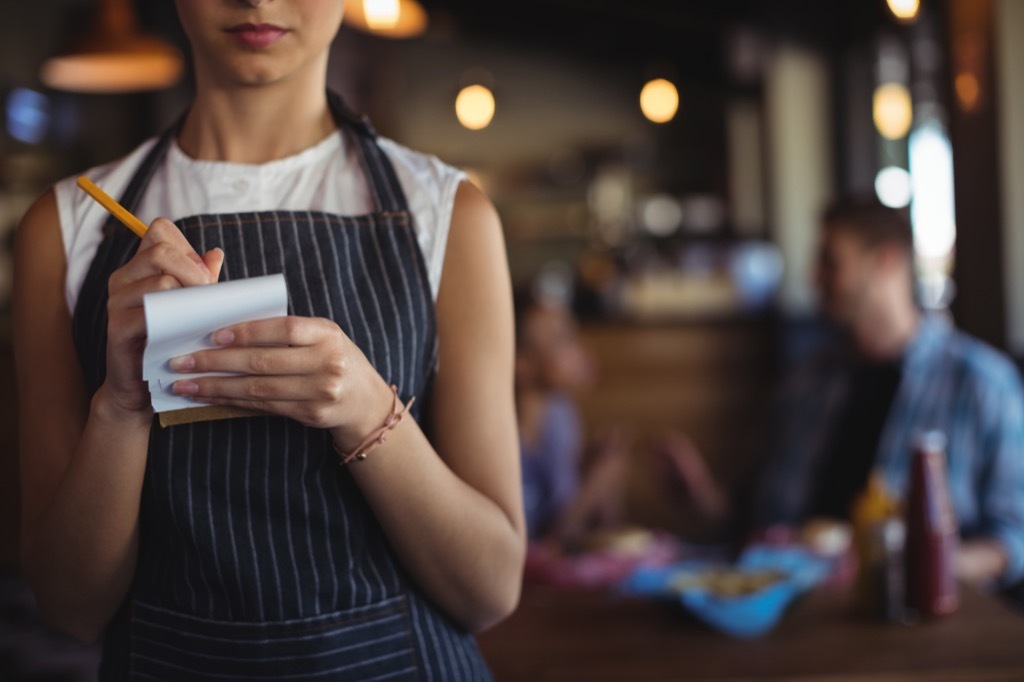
255, 124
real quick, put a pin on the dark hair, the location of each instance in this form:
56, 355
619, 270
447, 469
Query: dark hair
874, 223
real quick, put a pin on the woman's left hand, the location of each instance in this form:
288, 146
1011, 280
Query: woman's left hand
304, 368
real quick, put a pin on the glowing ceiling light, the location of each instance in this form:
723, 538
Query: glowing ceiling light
892, 111
387, 18
382, 14
114, 56
893, 187
475, 107
904, 10
659, 100
968, 91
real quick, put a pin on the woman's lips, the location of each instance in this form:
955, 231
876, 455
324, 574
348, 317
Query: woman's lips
256, 35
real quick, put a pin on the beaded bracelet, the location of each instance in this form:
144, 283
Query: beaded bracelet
377, 436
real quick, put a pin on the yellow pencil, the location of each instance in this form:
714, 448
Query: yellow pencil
116, 209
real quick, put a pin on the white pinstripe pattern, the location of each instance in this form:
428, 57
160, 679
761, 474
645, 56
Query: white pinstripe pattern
388, 371
321, 653
346, 326
209, 508
195, 674
302, 301
285, 456
422, 633
193, 599
270, 532
252, 521
414, 337
277, 639
247, 448
322, 279
425, 310
371, 353
400, 376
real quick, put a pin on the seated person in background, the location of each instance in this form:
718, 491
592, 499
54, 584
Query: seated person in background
550, 365
859, 405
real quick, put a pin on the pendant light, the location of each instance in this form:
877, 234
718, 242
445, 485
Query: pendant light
659, 100
387, 18
114, 56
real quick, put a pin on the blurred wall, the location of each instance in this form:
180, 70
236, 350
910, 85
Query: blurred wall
1010, 74
797, 96
544, 103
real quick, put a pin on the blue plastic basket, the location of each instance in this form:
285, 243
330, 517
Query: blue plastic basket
748, 615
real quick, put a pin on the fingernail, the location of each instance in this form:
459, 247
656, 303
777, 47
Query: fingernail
183, 363
186, 388
223, 337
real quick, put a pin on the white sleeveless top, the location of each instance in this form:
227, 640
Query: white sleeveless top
325, 177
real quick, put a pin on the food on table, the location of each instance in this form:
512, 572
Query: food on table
726, 581
626, 541
826, 537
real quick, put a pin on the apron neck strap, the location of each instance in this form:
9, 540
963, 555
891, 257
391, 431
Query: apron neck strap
380, 173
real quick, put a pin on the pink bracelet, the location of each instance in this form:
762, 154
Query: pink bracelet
377, 436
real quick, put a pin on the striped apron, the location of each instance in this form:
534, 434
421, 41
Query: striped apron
259, 558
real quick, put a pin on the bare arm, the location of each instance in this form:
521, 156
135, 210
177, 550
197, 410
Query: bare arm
457, 522
81, 464
451, 508
598, 504
689, 469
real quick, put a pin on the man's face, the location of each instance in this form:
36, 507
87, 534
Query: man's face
845, 275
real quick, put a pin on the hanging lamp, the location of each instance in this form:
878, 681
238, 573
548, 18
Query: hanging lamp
387, 18
114, 56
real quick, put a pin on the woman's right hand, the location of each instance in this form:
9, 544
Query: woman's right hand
165, 260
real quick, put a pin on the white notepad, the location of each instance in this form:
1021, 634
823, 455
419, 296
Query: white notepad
181, 321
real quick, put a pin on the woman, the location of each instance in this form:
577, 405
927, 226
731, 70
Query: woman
240, 548
551, 364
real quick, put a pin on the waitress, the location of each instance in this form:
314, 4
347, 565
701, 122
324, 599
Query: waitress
240, 549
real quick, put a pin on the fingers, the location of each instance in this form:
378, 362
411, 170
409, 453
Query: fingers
286, 396
262, 360
252, 388
163, 231
165, 251
278, 331
130, 293
303, 368
214, 259
127, 325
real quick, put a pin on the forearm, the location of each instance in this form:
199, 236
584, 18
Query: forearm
79, 552
460, 547
981, 560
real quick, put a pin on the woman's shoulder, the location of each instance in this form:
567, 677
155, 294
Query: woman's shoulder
430, 186
426, 171
112, 176
74, 205
81, 219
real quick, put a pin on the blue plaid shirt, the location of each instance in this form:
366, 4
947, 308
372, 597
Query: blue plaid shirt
951, 383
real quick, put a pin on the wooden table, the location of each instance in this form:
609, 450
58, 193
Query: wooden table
596, 637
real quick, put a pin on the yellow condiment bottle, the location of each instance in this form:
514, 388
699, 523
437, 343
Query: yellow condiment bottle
871, 510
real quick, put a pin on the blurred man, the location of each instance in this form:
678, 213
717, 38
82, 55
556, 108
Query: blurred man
896, 372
